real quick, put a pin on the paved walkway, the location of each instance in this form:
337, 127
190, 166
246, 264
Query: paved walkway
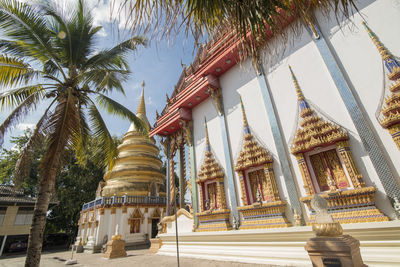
137, 258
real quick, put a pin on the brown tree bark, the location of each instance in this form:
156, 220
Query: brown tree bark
45, 189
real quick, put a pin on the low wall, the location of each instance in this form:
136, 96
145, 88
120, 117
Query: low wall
380, 244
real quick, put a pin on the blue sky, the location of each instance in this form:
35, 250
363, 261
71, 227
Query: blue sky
159, 65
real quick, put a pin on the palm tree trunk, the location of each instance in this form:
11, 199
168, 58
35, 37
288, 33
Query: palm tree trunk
45, 189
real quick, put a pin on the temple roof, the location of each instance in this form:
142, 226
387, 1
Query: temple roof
210, 169
313, 131
252, 153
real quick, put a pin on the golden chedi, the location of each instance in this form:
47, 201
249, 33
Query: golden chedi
137, 170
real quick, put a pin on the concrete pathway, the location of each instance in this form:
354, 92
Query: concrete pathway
136, 258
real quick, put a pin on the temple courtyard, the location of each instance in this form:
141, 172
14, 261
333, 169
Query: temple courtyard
140, 258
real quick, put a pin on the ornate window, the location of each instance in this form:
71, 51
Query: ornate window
134, 221
211, 182
263, 207
213, 215
327, 167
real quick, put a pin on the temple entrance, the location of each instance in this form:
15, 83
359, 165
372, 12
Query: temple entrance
154, 228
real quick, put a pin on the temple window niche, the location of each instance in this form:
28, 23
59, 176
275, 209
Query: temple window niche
263, 207
327, 167
389, 109
213, 215
134, 221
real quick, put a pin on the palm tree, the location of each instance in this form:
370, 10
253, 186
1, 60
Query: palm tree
253, 20
48, 57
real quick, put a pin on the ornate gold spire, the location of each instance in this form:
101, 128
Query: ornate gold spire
251, 154
300, 96
381, 48
313, 131
391, 109
142, 106
208, 148
210, 168
245, 123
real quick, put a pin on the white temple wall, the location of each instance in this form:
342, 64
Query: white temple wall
363, 64
241, 80
208, 109
364, 68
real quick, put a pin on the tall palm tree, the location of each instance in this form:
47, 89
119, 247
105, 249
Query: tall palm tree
48, 57
253, 20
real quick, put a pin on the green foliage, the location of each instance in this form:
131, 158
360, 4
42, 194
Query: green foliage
76, 183
9, 158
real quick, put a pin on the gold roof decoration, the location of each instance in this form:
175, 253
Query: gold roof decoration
210, 169
313, 131
137, 165
390, 62
391, 109
252, 153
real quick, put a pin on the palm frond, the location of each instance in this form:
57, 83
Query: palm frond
105, 80
253, 20
27, 24
82, 137
16, 96
114, 57
22, 166
115, 108
14, 71
109, 153
63, 129
26, 106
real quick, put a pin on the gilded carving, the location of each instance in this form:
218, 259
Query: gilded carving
212, 193
347, 205
257, 211
217, 97
390, 111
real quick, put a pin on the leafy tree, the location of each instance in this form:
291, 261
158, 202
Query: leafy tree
48, 56
9, 158
76, 184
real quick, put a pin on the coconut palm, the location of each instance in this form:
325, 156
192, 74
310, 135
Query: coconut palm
252, 19
48, 57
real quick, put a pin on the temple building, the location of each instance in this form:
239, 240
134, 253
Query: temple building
320, 117
132, 199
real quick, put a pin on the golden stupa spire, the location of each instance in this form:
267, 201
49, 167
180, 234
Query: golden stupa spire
142, 106
300, 96
381, 48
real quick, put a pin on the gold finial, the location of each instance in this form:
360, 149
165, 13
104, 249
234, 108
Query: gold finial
245, 124
381, 48
300, 96
205, 126
142, 107
167, 98
157, 114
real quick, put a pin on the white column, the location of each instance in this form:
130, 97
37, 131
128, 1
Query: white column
122, 224
110, 224
99, 232
2, 245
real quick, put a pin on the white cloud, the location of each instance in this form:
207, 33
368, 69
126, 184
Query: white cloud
24, 126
